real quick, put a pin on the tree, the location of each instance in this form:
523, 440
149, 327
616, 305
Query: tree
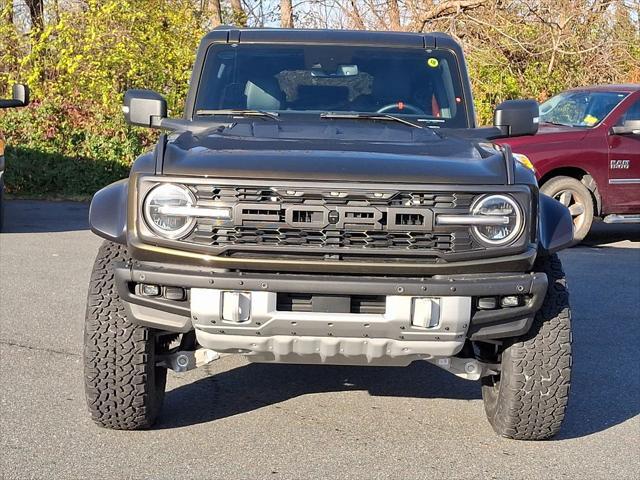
239, 16
394, 14
36, 13
286, 14
6, 7
214, 12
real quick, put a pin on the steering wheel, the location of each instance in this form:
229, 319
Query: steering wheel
405, 106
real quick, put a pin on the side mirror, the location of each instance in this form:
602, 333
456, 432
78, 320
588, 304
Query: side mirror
144, 108
630, 127
20, 97
517, 117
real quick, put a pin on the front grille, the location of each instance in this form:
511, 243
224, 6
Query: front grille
333, 223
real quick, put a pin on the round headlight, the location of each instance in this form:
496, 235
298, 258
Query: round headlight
504, 219
164, 210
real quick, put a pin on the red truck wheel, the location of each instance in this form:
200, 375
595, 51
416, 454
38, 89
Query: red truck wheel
577, 198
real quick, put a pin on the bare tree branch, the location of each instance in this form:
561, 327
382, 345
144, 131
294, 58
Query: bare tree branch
286, 14
238, 13
447, 7
214, 12
394, 14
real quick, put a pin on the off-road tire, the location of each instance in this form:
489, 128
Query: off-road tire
580, 195
124, 387
528, 399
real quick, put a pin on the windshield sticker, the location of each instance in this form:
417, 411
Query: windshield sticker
590, 120
433, 62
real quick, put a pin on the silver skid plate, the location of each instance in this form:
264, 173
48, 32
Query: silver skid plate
265, 334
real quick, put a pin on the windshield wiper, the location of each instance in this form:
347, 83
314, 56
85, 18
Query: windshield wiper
556, 123
368, 116
240, 113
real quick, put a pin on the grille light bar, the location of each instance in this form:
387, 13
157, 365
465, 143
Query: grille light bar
188, 211
472, 220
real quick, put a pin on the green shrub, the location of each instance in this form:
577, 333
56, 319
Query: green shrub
73, 140
60, 149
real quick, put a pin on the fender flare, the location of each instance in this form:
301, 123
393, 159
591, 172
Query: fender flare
108, 212
555, 225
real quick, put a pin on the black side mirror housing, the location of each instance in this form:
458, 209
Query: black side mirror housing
630, 127
144, 108
20, 97
515, 118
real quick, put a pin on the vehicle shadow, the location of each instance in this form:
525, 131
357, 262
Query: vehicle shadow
603, 393
602, 234
604, 288
256, 385
37, 216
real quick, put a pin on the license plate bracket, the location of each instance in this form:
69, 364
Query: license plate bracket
331, 303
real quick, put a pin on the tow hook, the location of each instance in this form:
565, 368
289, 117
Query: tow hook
467, 368
185, 360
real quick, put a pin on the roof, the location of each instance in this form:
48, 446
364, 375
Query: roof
347, 37
622, 87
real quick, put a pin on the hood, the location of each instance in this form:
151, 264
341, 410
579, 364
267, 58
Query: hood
548, 129
360, 151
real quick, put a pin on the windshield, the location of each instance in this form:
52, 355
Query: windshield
423, 85
579, 109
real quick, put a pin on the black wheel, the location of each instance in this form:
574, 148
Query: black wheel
124, 387
577, 198
528, 399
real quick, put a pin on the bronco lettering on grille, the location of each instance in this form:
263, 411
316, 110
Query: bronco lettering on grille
340, 217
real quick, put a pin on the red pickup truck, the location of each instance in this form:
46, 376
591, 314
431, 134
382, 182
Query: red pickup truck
587, 153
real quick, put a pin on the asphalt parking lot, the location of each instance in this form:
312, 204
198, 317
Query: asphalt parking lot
232, 419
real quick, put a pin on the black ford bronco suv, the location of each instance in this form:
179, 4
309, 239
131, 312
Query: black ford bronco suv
328, 198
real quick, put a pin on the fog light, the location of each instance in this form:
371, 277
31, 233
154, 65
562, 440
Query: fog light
426, 312
150, 290
487, 303
174, 293
510, 301
236, 306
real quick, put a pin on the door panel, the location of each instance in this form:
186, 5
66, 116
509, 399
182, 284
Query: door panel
624, 167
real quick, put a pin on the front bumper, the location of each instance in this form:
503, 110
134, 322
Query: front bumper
327, 329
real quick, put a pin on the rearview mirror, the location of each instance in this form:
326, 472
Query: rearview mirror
144, 108
517, 117
341, 71
630, 127
20, 97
